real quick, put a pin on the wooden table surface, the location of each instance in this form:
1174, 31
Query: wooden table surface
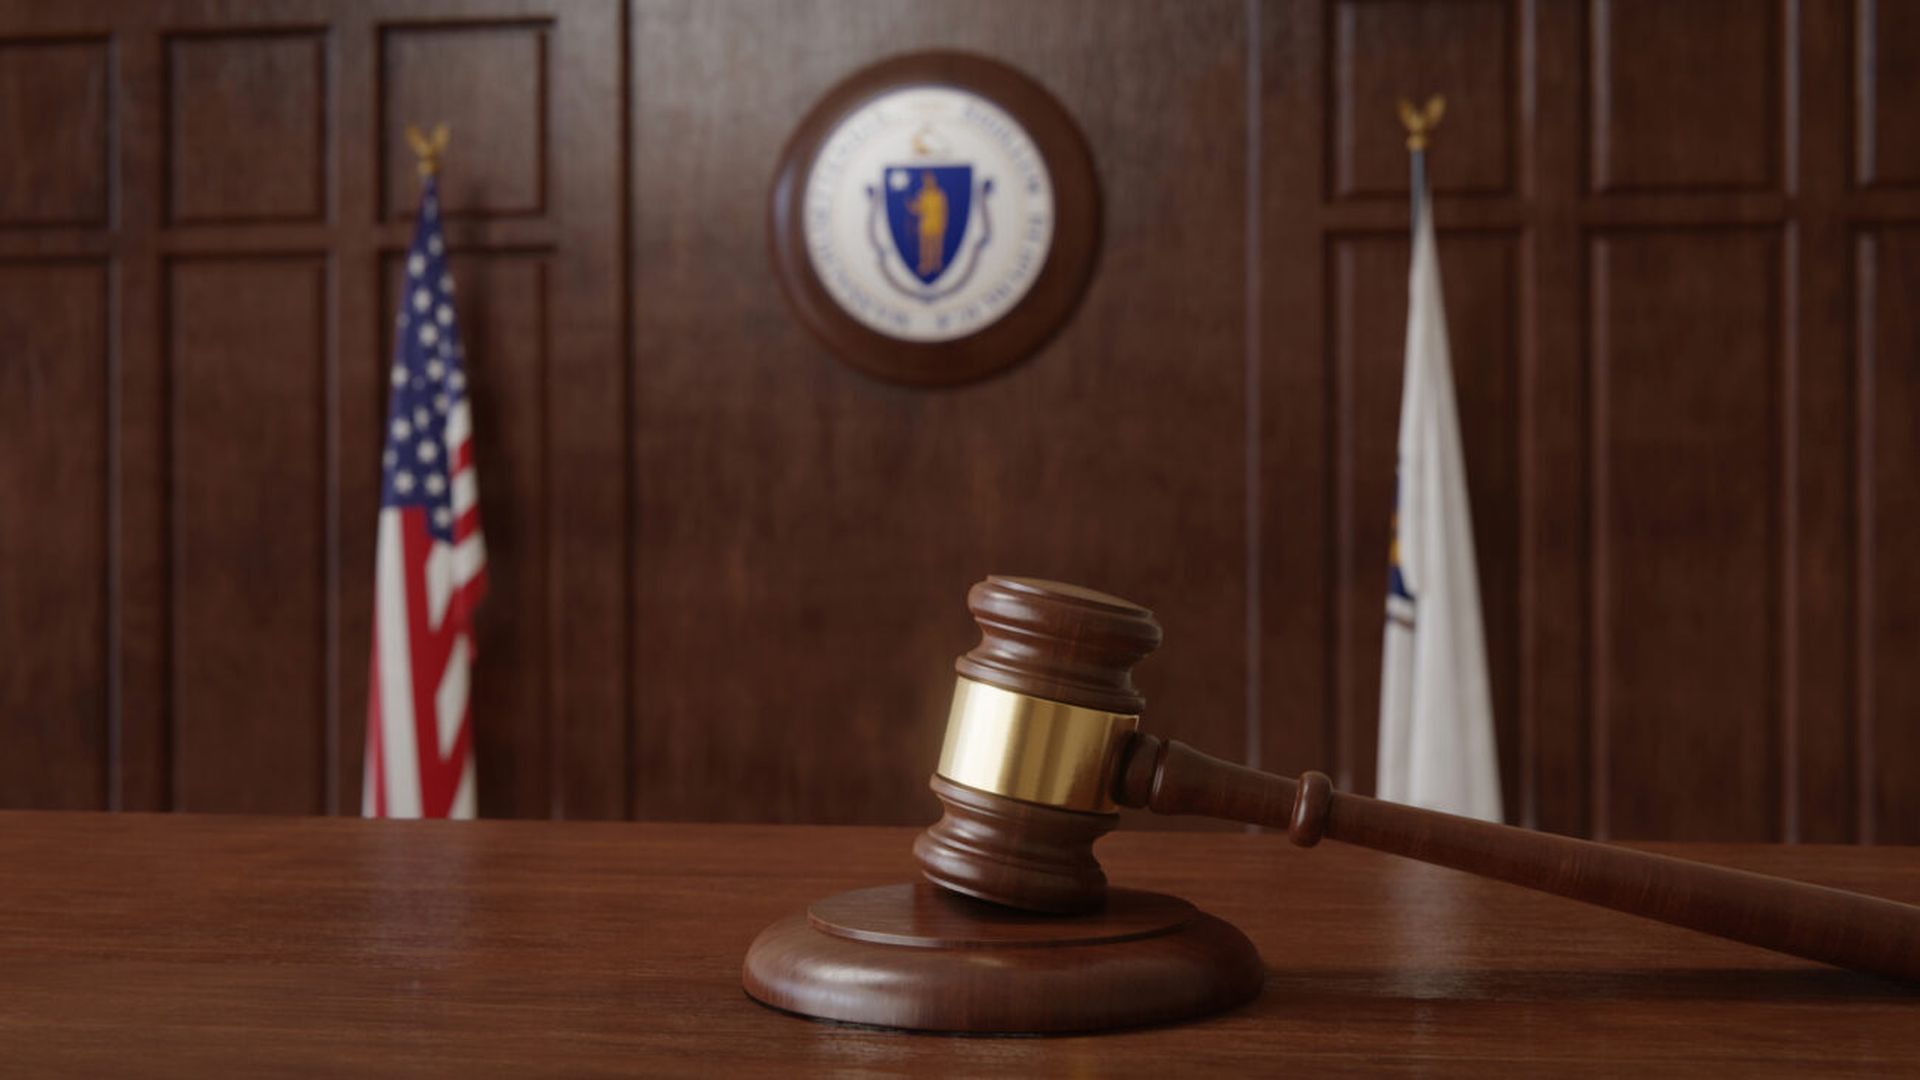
200, 946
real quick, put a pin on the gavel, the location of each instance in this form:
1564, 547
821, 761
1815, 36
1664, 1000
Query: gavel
1043, 746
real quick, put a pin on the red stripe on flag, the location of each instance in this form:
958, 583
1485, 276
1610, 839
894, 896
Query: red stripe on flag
429, 649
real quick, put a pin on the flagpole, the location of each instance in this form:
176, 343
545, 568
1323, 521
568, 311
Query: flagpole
1420, 123
428, 542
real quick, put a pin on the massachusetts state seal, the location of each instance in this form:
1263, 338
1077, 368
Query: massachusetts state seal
934, 218
928, 213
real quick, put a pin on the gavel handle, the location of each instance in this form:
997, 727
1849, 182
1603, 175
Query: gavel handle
1847, 929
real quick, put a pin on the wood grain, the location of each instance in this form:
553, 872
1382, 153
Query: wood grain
778, 493
53, 420
248, 455
53, 113
231, 175
192, 946
1684, 429
1685, 96
246, 127
736, 563
1717, 354
921, 958
1890, 509
1852, 930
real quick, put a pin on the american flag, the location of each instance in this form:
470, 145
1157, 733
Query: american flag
430, 562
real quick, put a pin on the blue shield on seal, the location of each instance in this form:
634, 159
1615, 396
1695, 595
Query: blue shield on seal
927, 209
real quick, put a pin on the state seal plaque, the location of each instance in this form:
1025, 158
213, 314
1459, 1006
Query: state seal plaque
934, 218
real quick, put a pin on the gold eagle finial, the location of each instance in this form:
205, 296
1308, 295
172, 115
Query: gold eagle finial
1420, 121
428, 148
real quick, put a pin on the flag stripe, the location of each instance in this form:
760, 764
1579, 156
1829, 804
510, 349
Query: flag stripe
394, 665
430, 561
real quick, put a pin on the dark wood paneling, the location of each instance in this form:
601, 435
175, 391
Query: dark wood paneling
246, 127
216, 947
53, 534
805, 535
1384, 52
1289, 491
1820, 763
1555, 685
246, 363
244, 169
587, 400
1368, 286
1686, 442
1685, 95
137, 328
728, 572
1888, 384
53, 124
489, 84
1886, 94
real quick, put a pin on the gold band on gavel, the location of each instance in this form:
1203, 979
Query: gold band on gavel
1032, 749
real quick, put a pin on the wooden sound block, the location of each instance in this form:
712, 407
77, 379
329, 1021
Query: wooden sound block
922, 958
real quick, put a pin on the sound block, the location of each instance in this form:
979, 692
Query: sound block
925, 959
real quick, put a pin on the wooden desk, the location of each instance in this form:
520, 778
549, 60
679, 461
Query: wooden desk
199, 946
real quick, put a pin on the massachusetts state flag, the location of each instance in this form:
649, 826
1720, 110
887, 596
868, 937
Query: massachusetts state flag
1436, 713
430, 563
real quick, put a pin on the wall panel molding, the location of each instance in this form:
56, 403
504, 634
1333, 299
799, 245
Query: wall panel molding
1379, 52
231, 178
246, 136
1673, 237
1687, 96
247, 421
1886, 51
489, 82
56, 101
1688, 558
1887, 517
55, 534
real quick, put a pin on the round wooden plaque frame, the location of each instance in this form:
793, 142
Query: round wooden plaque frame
1055, 291
925, 959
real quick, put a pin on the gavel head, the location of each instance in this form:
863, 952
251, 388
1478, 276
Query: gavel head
1042, 714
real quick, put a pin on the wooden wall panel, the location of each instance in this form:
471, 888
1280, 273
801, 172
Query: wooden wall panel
1555, 651
1687, 551
728, 572
1292, 577
1685, 96
242, 171
1369, 298
1820, 763
1382, 52
1886, 44
54, 707
486, 81
246, 360
1887, 380
246, 127
806, 536
53, 124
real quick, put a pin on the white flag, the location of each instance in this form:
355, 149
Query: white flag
1436, 714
